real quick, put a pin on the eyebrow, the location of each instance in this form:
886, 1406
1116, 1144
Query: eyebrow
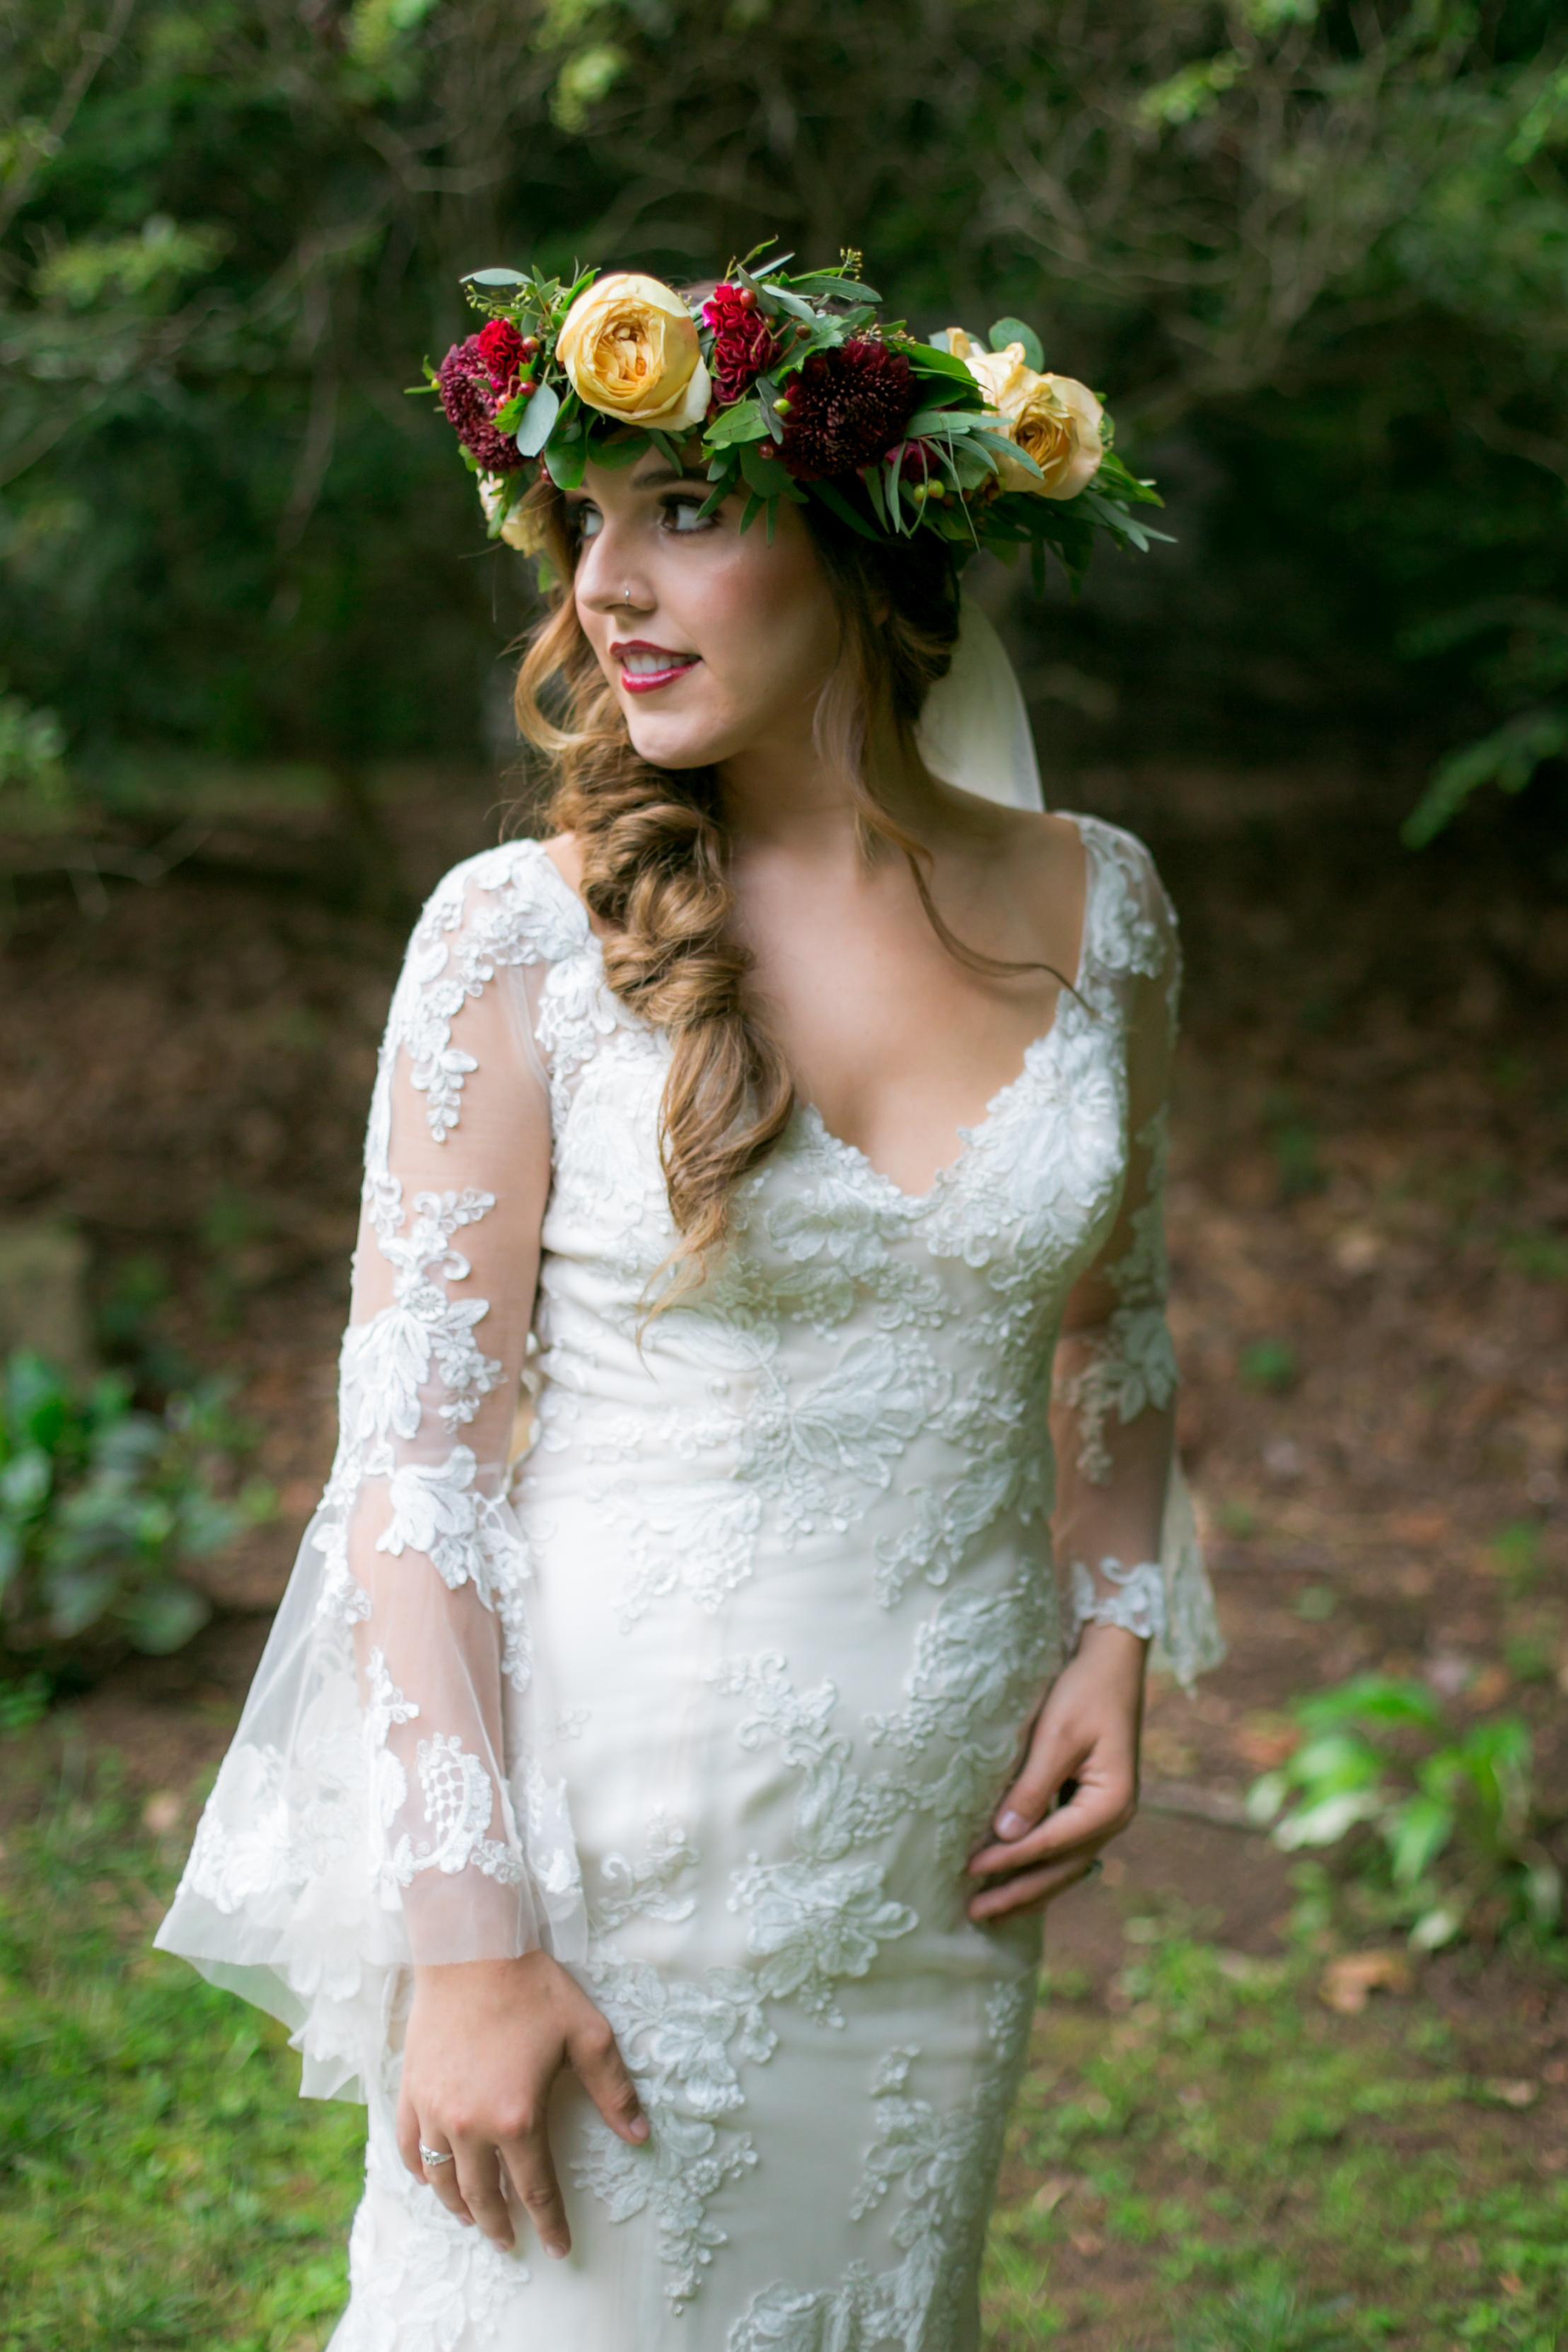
664, 475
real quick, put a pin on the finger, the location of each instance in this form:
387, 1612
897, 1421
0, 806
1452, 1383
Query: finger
1100, 1811
532, 2169
478, 2173
443, 2178
1031, 1890
1049, 1765
597, 2061
407, 2131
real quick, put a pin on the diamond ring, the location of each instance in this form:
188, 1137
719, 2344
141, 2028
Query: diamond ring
430, 2156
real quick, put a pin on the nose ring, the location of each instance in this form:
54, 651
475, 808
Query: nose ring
626, 595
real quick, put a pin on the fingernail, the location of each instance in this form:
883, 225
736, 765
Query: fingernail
558, 2253
1010, 1825
638, 2127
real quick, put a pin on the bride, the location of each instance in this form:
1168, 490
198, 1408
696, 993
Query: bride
650, 1813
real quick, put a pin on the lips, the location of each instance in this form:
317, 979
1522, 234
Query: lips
645, 668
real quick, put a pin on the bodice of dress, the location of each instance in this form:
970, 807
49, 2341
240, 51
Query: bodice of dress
982, 1373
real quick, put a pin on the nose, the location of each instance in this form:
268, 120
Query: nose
607, 579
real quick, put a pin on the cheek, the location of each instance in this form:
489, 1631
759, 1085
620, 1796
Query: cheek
768, 622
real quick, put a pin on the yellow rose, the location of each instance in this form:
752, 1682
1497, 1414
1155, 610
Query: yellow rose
1051, 418
630, 349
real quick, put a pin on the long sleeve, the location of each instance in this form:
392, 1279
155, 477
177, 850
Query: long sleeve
1123, 1530
390, 1796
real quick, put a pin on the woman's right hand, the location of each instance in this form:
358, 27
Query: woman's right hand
485, 2041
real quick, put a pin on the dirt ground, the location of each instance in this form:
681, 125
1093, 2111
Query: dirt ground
1369, 1229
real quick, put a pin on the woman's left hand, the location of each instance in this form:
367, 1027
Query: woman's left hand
1087, 1732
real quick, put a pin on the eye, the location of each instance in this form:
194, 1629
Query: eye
585, 522
684, 515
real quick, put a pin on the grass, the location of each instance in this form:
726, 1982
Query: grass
1217, 2164
162, 2184
1228, 2167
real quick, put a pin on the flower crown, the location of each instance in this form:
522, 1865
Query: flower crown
796, 391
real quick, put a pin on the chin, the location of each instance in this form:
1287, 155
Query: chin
676, 742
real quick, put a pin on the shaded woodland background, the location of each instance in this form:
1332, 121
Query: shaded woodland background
1315, 253
253, 701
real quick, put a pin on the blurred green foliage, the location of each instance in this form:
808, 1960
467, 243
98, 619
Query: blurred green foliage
1314, 252
1451, 1813
102, 1507
161, 2185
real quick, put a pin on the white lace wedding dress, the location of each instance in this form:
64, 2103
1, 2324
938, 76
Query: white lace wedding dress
715, 1687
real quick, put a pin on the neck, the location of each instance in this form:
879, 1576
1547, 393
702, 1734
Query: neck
781, 794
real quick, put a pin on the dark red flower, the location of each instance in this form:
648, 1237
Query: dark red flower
469, 396
743, 345
847, 408
501, 348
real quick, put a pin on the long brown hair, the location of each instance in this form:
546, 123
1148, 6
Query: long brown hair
655, 856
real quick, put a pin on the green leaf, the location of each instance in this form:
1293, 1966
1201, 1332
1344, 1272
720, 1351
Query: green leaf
1416, 1831
753, 508
537, 426
763, 475
743, 422
836, 503
827, 287
1370, 1698
1015, 330
614, 450
566, 462
494, 278
1326, 1821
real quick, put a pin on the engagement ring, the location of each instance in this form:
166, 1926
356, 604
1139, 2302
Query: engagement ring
429, 2156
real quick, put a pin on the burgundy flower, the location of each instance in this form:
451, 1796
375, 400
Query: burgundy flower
847, 408
502, 349
743, 345
469, 396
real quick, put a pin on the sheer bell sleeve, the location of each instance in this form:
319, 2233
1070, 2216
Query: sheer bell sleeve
389, 1797
1123, 1530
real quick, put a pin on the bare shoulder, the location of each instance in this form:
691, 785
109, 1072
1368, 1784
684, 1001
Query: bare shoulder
565, 854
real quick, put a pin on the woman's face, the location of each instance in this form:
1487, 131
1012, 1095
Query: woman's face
714, 643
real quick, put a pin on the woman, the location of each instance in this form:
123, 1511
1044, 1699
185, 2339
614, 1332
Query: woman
716, 1761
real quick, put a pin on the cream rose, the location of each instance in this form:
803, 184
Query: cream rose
520, 530
1051, 418
630, 350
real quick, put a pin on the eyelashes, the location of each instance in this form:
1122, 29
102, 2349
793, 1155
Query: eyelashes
584, 521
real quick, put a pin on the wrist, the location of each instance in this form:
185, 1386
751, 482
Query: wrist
1113, 1654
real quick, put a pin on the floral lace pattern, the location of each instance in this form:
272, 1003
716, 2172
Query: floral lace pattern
715, 1687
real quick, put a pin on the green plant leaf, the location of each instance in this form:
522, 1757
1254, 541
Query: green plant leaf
1016, 331
494, 278
1416, 1833
539, 422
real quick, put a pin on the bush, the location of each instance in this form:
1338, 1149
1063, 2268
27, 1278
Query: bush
1450, 1815
102, 1507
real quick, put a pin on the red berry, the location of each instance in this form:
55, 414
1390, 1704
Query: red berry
530, 347
526, 386
747, 298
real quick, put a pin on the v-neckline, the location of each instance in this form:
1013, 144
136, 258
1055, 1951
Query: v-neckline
968, 1138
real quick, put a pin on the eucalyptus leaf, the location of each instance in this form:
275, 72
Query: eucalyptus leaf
538, 424
566, 462
1016, 331
496, 278
826, 288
